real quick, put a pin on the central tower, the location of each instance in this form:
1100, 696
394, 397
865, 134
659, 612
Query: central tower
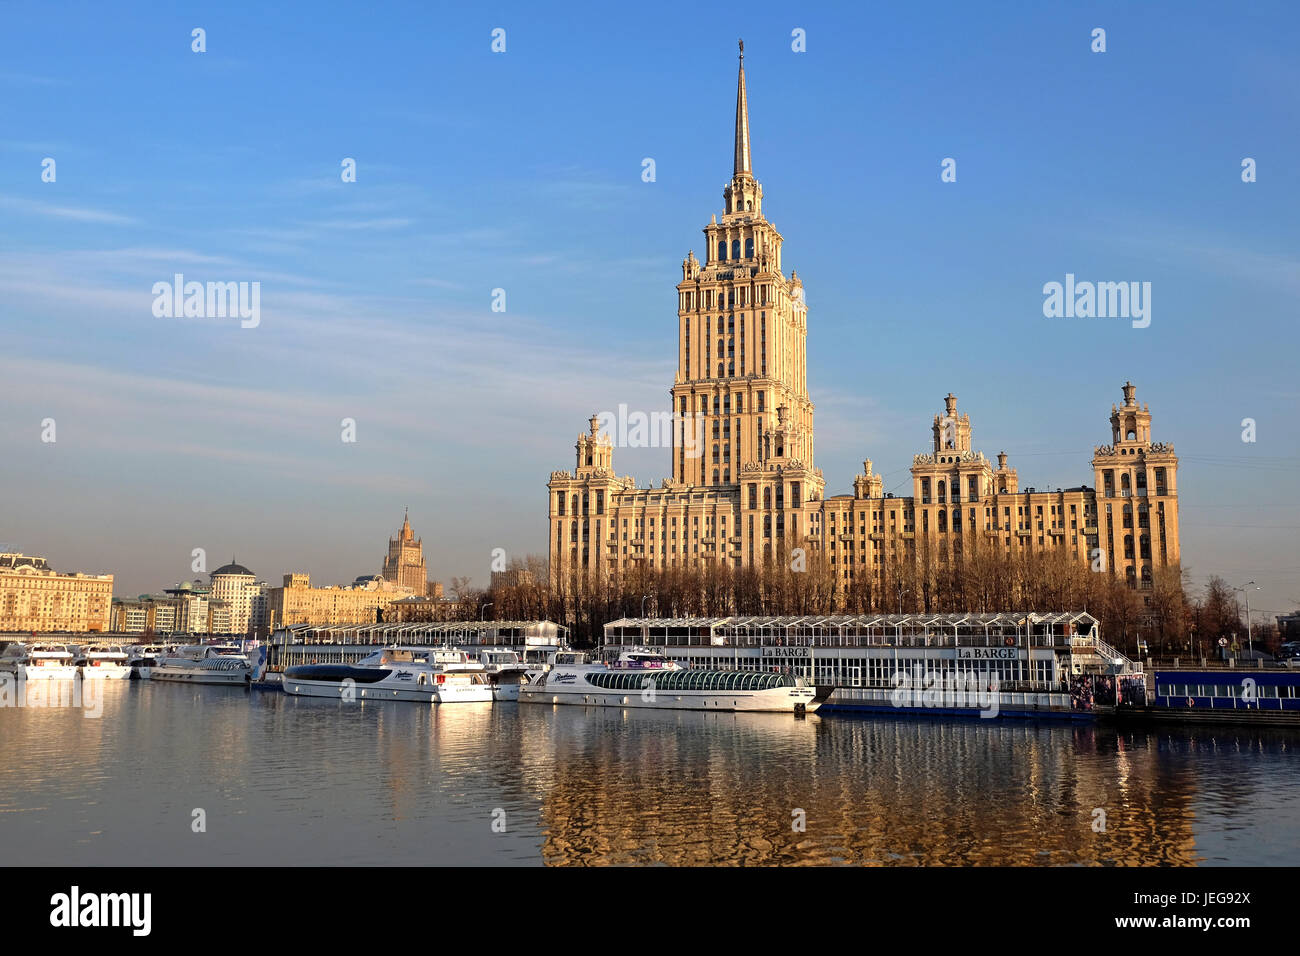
742, 328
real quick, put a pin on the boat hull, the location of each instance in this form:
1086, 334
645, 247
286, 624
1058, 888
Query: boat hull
41, 671
778, 700
106, 672
198, 675
389, 690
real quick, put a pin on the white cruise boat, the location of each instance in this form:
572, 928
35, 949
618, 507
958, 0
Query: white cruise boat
143, 658
422, 674
204, 664
505, 672
38, 661
104, 662
641, 677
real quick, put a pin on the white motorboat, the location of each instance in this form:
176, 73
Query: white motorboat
38, 661
104, 662
143, 658
204, 664
641, 677
505, 672
421, 674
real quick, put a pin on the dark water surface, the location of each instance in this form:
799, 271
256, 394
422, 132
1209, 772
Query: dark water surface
300, 781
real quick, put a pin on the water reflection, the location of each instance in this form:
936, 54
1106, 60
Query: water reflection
298, 780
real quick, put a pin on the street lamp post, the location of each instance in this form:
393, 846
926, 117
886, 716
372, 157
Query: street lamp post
643, 600
483, 610
1250, 643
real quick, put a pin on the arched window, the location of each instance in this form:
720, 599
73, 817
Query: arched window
942, 491
735, 248
943, 519
767, 497
722, 249
749, 248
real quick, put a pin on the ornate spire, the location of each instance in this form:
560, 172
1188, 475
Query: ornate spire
742, 121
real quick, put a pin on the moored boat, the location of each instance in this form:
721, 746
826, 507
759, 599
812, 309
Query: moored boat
143, 658
420, 674
39, 661
204, 664
505, 672
640, 677
104, 662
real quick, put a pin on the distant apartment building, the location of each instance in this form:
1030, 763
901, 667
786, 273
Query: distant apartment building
426, 608
404, 564
362, 602
144, 615
246, 597
35, 597
512, 578
197, 612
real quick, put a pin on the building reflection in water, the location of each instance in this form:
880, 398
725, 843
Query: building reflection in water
683, 789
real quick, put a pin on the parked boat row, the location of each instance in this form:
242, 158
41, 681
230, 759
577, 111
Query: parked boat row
630, 677
636, 677
195, 663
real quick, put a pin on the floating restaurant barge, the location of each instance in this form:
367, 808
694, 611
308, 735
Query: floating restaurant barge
297, 644
999, 664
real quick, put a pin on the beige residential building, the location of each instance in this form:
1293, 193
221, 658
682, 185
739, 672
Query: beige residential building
297, 602
35, 597
237, 587
404, 564
744, 487
145, 615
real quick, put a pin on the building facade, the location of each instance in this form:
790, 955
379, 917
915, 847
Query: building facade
35, 597
237, 588
366, 601
744, 487
404, 564
146, 615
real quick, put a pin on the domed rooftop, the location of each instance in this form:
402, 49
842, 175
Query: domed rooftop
233, 568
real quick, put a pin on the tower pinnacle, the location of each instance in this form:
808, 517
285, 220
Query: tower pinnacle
742, 121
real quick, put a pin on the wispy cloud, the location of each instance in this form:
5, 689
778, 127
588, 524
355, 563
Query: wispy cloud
76, 213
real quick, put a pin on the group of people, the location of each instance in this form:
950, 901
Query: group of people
1090, 690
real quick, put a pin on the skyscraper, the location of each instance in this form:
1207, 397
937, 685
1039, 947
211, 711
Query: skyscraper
404, 564
744, 487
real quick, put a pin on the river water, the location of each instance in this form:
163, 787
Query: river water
170, 774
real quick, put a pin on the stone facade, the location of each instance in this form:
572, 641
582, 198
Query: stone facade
35, 597
404, 564
744, 488
297, 602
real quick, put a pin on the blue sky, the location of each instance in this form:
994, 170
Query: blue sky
522, 171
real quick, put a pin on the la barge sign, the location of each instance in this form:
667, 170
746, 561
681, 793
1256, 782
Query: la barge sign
988, 653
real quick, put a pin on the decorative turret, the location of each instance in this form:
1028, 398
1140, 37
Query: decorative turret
867, 485
595, 452
951, 433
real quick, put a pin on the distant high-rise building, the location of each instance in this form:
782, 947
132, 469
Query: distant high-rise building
405, 562
35, 597
238, 587
744, 489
